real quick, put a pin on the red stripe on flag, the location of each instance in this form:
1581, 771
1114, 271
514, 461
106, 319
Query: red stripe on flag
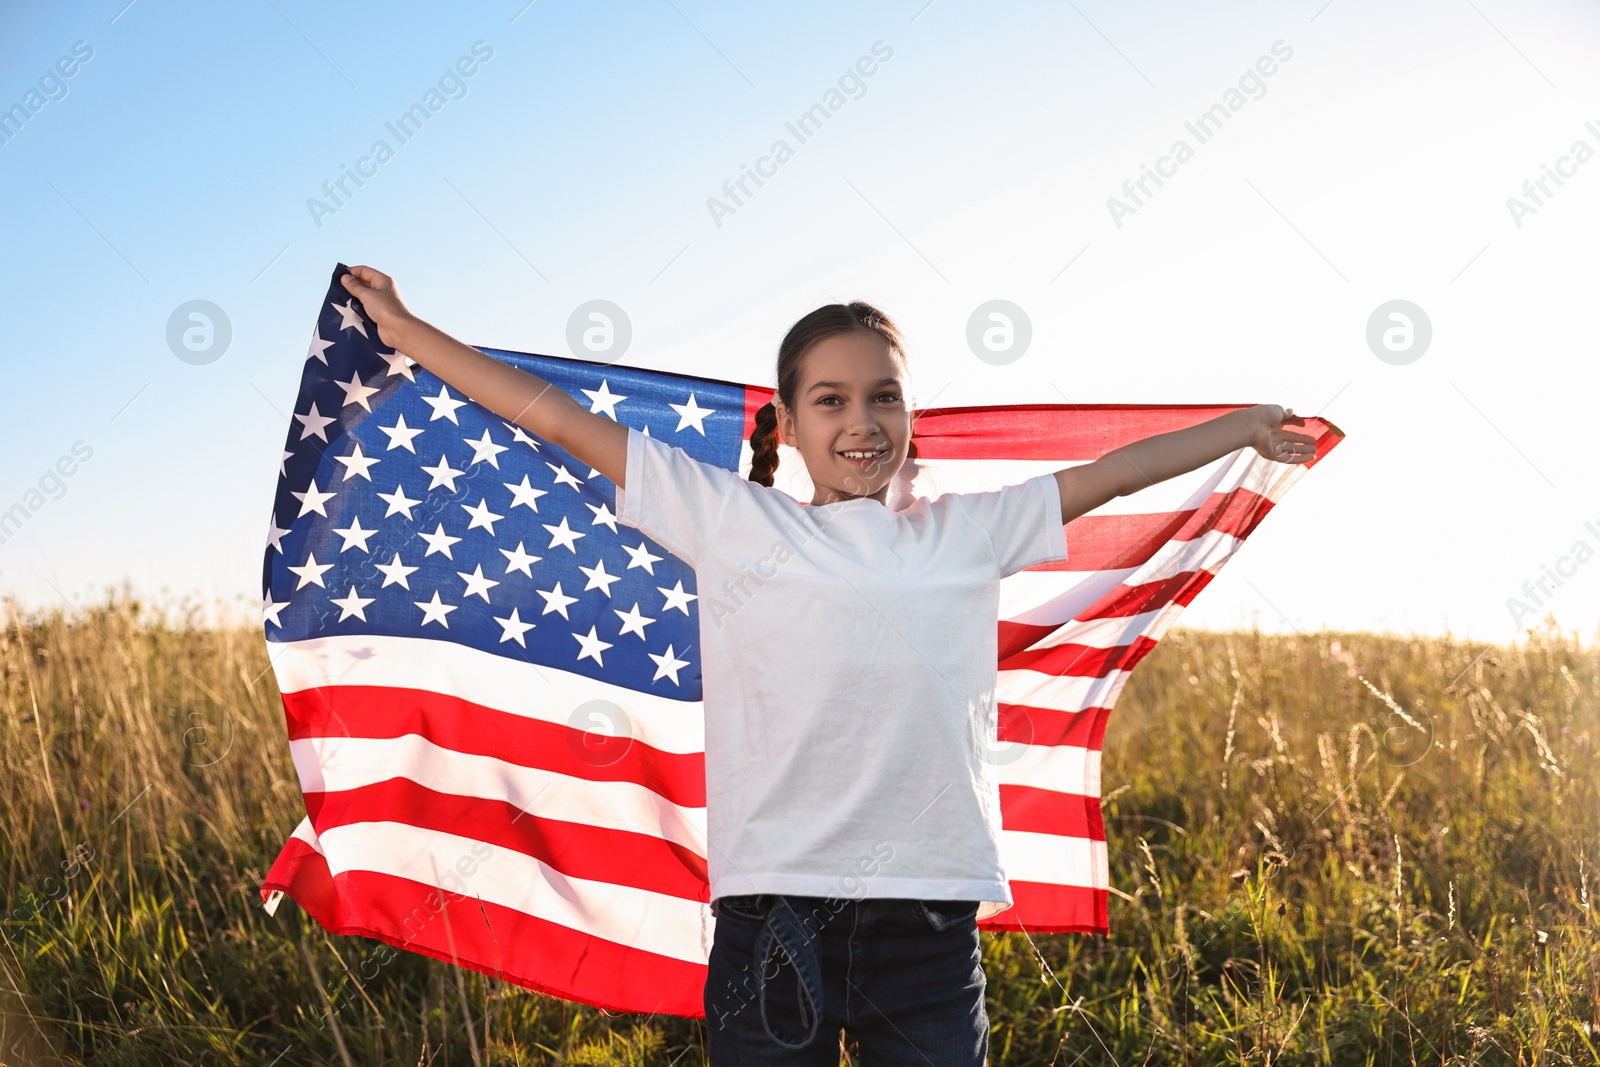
1126, 600
578, 850
1047, 908
755, 398
1048, 811
1050, 431
1024, 725
489, 938
460, 725
1121, 542
1079, 661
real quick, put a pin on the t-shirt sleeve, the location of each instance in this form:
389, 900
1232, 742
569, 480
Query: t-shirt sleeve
672, 497
1023, 522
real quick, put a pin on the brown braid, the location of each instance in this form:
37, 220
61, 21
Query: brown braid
764, 443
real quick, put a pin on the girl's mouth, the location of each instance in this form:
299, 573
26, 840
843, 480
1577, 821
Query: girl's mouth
865, 458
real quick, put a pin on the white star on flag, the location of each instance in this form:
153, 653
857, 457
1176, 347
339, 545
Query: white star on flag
435, 610
314, 423
400, 435
444, 407
666, 664
354, 536
355, 392
350, 318
565, 477
398, 502
598, 578
556, 600
525, 494
438, 541
270, 609
563, 535
312, 499
640, 556
677, 598
318, 346
477, 584
592, 646
485, 450
310, 571
520, 436
351, 605
605, 401
692, 414
443, 474
274, 534
632, 621
518, 560
399, 364
356, 463
395, 572
513, 628
482, 517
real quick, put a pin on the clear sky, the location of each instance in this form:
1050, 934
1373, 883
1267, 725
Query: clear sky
977, 161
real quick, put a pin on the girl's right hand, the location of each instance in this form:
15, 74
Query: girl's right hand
378, 295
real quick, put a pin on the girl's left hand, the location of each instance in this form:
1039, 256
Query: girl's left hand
1276, 443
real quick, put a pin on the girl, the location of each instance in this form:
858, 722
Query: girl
849, 689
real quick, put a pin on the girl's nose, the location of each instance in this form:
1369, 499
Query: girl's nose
865, 423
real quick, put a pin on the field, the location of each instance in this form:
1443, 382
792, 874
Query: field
1325, 848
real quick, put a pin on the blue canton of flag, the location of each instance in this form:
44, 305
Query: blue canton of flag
405, 510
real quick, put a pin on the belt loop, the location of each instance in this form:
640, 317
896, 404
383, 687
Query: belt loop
797, 940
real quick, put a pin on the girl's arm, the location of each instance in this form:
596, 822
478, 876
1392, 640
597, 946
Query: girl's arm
515, 395
1155, 459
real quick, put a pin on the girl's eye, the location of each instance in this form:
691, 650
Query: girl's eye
893, 397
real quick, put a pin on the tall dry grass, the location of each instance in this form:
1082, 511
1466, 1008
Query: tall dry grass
1325, 848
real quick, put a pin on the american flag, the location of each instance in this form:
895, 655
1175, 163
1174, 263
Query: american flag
492, 688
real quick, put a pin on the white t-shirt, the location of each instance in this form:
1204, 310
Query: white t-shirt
848, 665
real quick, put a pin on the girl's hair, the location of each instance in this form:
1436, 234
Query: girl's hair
826, 321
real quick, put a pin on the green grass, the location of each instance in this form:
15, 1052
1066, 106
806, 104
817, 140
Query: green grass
1325, 848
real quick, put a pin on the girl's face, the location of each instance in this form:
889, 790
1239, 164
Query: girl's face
851, 399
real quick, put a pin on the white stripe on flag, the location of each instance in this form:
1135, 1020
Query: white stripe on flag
1035, 689
541, 692
1068, 768
336, 764
655, 922
1031, 857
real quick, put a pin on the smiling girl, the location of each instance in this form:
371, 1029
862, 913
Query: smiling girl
849, 698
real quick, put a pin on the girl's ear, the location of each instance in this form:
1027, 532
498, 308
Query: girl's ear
785, 431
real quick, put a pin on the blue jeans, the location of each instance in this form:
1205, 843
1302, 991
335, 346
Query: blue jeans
903, 977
